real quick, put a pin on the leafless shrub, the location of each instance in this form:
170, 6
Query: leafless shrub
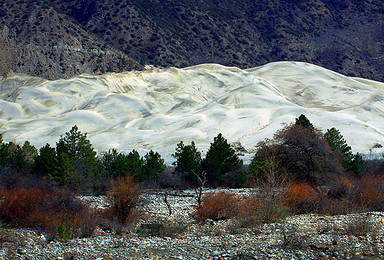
293, 237
123, 200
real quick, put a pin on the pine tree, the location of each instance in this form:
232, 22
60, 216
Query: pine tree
220, 159
188, 160
4, 152
16, 156
153, 165
304, 122
119, 164
47, 160
351, 162
79, 150
136, 165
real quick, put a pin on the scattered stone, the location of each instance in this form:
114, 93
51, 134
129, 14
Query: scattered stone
211, 240
21, 251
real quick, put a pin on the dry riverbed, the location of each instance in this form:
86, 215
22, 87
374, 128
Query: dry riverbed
160, 235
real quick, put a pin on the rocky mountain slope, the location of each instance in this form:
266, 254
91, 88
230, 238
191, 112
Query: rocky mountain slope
38, 40
343, 35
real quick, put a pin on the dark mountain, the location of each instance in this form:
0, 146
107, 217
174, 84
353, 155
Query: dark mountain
37, 39
343, 35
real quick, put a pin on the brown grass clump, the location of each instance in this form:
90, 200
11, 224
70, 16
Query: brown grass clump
248, 211
47, 209
300, 198
369, 193
123, 200
218, 206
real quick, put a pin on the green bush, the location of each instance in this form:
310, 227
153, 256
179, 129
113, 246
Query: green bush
64, 233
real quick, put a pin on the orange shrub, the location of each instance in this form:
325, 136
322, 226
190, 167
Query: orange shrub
123, 200
247, 210
47, 209
248, 205
300, 198
369, 192
218, 205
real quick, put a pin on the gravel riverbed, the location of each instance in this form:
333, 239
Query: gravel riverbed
307, 236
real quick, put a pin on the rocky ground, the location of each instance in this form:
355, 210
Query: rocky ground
160, 235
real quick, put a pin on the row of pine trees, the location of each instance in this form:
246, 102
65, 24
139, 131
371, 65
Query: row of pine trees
298, 152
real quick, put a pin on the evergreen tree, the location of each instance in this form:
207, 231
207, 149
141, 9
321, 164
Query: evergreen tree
188, 160
18, 157
119, 164
29, 152
220, 159
153, 165
115, 163
136, 165
337, 141
78, 165
66, 172
47, 160
351, 162
304, 122
79, 150
5, 154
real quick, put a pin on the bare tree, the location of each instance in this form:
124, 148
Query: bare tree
165, 199
202, 178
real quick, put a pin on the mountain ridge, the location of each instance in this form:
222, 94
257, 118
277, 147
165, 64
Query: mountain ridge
344, 36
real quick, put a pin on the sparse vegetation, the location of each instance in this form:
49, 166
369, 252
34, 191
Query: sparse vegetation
361, 226
163, 228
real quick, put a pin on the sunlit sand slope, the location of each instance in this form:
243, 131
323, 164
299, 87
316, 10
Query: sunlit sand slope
158, 108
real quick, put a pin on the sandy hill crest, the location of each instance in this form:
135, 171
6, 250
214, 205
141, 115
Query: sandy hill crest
156, 109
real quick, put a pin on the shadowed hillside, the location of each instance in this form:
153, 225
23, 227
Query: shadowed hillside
38, 40
56, 39
345, 36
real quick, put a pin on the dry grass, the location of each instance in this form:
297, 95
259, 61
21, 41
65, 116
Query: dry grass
300, 198
218, 206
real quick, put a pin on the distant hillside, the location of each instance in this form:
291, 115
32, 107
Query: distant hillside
342, 35
38, 40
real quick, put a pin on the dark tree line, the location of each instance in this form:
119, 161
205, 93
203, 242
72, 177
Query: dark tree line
74, 163
298, 152
221, 166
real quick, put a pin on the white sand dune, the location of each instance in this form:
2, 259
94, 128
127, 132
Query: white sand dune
156, 109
